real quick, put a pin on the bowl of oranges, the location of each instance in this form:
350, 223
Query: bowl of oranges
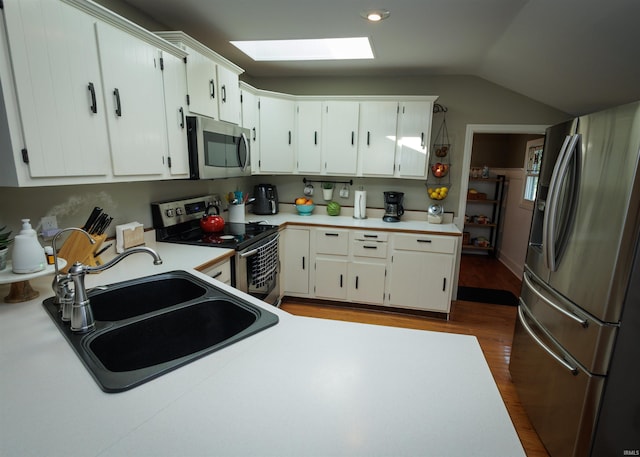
304, 206
438, 193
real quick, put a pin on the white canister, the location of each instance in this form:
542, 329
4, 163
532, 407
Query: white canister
236, 213
360, 204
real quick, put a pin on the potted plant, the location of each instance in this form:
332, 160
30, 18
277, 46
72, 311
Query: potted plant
327, 191
5, 241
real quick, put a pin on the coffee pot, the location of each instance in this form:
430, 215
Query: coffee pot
393, 208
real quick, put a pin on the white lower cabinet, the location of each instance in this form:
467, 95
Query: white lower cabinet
331, 278
421, 272
295, 262
402, 270
366, 282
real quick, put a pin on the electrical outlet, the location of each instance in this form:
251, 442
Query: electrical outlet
48, 223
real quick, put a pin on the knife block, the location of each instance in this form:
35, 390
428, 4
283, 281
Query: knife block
77, 248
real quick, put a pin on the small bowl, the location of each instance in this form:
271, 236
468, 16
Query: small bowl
305, 210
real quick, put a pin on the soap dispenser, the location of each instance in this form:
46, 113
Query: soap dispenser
28, 254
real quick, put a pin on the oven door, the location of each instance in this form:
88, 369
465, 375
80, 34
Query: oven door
257, 268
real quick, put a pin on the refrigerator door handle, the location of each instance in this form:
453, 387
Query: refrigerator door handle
549, 222
556, 357
578, 319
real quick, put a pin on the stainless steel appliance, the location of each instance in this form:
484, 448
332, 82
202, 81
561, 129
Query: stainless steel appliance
255, 266
393, 208
266, 202
217, 149
570, 364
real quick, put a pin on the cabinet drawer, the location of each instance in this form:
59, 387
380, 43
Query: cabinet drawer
220, 271
332, 241
426, 243
369, 236
375, 249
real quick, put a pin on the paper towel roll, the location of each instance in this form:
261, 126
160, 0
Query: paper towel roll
360, 204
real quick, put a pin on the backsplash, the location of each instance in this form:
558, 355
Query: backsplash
129, 202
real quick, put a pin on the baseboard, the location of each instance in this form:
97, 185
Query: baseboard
512, 266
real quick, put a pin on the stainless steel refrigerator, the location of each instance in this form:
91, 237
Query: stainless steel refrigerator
577, 338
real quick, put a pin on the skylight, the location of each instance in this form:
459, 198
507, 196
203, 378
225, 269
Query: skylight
308, 49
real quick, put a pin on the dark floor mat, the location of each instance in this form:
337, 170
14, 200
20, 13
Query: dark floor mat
495, 296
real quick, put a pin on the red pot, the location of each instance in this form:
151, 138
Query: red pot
212, 223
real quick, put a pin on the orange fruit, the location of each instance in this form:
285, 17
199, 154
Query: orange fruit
301, 201
309, 202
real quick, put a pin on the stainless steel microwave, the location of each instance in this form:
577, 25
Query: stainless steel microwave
217, 149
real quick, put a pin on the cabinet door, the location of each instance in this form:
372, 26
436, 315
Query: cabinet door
135, 102
249, 105
201, 83
57, 75
366, 282
296, 262
309, 120
414, 135
276, 135
174, 78
420, 280
229, 95
377, 147
331, 278
340, 137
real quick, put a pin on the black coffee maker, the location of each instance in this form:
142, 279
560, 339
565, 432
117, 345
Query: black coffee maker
393, 208
266, 202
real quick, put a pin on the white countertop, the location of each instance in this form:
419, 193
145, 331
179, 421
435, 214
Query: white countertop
303, 387
412, 221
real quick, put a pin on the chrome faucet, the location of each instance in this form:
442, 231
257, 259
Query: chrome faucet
81, 314
63, 293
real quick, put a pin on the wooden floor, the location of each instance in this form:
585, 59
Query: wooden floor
491, 324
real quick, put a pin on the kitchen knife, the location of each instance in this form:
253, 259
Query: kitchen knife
92, 218
103, 227
97, 223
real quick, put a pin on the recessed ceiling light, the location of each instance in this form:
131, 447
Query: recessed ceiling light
376, 15
307, 49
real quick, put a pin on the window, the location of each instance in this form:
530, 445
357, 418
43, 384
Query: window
532, 163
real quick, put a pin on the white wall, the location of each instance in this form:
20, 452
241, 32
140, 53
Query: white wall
516, 222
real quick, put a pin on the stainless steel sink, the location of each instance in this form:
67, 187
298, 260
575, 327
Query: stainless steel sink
149, 326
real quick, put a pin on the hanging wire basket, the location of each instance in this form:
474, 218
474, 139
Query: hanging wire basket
442, 145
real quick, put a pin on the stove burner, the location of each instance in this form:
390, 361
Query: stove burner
234, 235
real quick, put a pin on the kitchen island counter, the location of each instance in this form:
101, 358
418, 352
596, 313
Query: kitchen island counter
303, 387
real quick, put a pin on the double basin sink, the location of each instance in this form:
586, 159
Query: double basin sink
149, 326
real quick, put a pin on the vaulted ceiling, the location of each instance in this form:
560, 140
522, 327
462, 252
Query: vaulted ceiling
576, 56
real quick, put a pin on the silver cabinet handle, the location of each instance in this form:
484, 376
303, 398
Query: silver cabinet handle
578, 319
560, 360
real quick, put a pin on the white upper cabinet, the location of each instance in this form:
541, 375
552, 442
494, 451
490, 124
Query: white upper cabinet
250, 120
229, 95
340, 137
212, 80
277, 122
377, 147
174, 78
59, 90
308, 133
201, 84
134, 102
414, 136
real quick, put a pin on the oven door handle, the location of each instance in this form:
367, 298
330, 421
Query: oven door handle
249, 253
